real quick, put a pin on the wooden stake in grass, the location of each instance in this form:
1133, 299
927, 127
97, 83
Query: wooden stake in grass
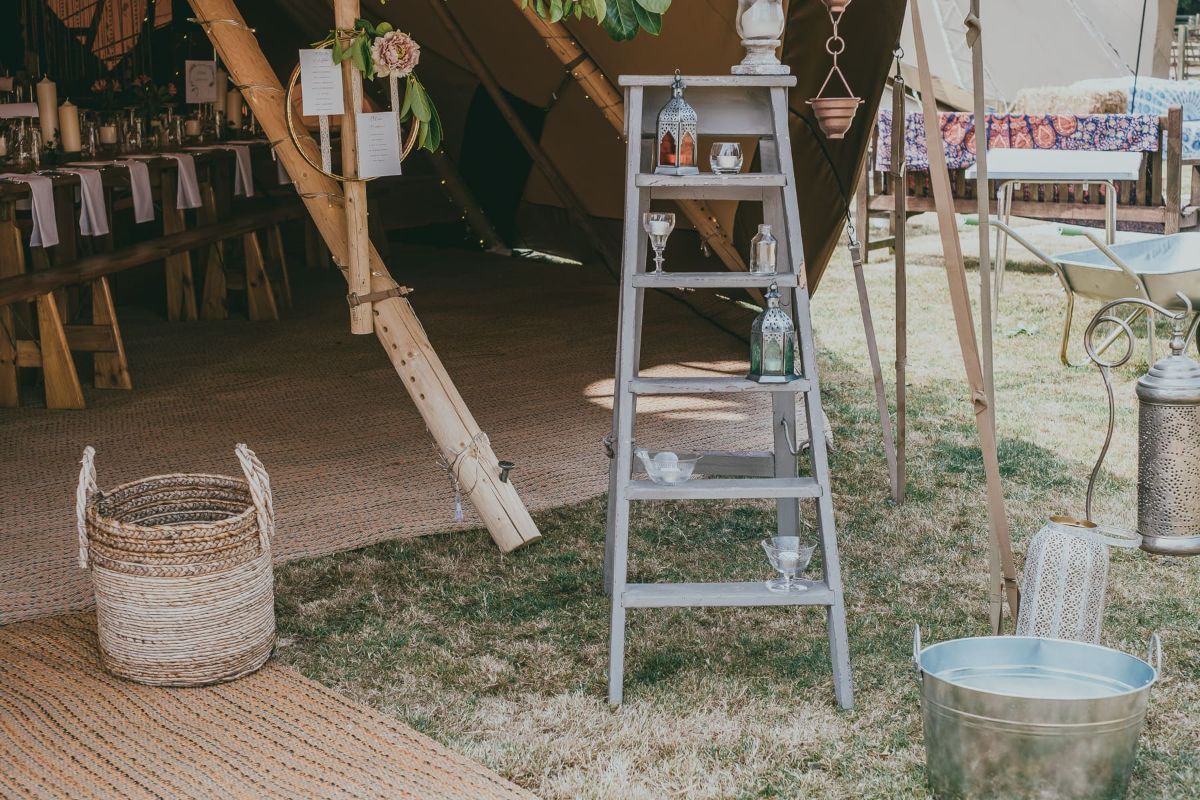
442, 408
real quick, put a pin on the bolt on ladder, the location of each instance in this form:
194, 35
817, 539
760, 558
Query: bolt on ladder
731, 106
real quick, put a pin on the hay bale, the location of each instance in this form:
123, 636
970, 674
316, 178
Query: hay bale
1070, 100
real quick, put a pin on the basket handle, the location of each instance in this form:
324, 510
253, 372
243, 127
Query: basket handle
260, 491
83, 496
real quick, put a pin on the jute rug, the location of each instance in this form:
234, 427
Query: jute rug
530, 346
69, 729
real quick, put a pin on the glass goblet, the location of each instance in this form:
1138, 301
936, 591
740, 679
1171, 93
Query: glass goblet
658, 226
790, 558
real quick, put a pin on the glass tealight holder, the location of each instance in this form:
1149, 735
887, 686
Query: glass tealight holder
790, 558
658, 226
668, 467
726, 158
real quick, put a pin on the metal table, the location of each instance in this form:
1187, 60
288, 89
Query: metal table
1011, 167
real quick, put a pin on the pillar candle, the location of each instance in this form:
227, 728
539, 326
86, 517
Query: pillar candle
108, 134
47, 100
68, 127
3, 145
233, 108
191, 127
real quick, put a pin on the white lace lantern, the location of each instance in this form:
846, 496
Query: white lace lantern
677, 134
1066, 575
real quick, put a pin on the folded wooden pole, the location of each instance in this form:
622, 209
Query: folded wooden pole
445, 413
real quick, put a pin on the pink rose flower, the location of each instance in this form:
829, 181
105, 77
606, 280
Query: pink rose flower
395, 54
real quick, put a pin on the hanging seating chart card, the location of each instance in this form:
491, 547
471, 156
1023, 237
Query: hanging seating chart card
378, 145
322, 81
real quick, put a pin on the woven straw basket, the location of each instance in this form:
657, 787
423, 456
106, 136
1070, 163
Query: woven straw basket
181, 566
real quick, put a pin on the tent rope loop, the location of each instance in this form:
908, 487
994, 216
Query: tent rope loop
453, 468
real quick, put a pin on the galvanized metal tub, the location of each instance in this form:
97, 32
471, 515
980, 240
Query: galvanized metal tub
1022, 717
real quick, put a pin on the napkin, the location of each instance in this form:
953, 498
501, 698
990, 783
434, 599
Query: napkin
187, 193
243, 180
93, 216
45, 224
139, 184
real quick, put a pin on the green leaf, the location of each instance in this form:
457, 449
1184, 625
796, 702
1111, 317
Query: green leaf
556, 10
654, 6
384, 27
339, 55
406, 106
651, 23
596, 9
356, 56
421, 107
433, 135
620, 20
365, 25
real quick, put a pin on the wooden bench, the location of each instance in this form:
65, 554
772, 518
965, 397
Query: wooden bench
1151, 202
51, 349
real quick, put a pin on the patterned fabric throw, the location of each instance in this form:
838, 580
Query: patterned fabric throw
1119, 132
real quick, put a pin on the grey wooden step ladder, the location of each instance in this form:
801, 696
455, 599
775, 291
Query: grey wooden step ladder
741, 107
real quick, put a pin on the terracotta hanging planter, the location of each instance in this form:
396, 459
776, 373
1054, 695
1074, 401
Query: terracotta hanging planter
835, 114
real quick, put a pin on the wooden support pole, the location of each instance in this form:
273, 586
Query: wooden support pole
899, 248
358, 256
975, 41
1004, 581
591, 78
1174, 188
442, 408
464, 198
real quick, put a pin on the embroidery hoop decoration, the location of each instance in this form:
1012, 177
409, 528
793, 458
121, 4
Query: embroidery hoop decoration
289, 114
835, 114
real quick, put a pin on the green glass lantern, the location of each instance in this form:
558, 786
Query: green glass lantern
773, 343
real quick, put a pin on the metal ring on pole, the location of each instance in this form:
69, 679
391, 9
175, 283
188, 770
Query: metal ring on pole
289, 116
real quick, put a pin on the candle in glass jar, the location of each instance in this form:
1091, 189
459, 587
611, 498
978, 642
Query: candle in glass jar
47, 100
233, 108
108, 134
68, 127
3, 145
727, 162
191, 127
660, 227
788, 560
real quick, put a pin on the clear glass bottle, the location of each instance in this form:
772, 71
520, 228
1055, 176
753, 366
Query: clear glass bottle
763, 250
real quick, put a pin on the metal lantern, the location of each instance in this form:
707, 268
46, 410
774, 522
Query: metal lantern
677, 134
1168, 434
773, 343
1066, 576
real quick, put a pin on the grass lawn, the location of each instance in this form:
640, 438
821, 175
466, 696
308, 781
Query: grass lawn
503, 657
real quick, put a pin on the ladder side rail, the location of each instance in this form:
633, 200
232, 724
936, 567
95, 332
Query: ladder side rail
623, 409
839, 649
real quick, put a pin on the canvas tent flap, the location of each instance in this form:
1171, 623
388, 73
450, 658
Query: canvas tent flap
1035, 43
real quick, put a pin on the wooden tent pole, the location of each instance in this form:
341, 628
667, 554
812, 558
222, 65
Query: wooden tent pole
557, 182
1004, 575
591, 78
358, 256
975, 41
464, 198
899, 245
458, 436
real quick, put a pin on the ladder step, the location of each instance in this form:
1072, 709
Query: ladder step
756, 180
725, 489
713, 385
692, 595
713, 280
